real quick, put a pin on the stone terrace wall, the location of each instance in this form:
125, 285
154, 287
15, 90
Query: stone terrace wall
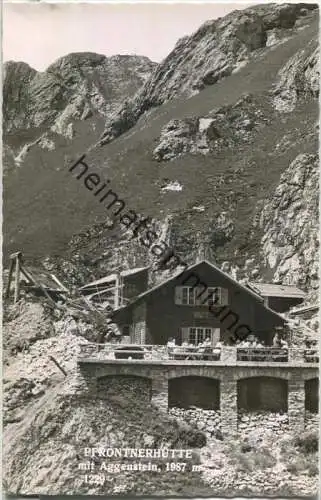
153, 380
112, 386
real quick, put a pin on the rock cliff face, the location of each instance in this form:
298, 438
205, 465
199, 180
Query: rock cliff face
37, 105
215, 51
290, 224
299, 77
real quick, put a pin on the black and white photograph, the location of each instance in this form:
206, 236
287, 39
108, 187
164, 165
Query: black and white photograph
160, 276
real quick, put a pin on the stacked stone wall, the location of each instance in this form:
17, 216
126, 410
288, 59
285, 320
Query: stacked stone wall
277, 390
137, 388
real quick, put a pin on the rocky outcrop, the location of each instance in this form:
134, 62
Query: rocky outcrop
299, 78
225, 127
41, 107
74, 87
17, 79
290, 223
25, 323
216, 50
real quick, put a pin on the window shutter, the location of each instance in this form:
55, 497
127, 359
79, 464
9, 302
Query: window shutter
184, 334
224, 296
178, 295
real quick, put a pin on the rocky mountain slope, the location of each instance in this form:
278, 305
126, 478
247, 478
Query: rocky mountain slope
37, 106
217, 50
201, 161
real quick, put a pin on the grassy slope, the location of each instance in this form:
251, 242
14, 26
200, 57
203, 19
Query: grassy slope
44, 206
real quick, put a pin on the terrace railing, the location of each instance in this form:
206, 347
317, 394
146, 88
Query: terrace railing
273, 354
311, 356
227, 354
147, 352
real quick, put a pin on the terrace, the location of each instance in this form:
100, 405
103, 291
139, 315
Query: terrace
226, 355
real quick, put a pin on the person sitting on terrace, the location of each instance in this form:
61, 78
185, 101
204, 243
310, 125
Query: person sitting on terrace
276, 340
208, 348
217, 348
171, 346
284, 344
185, 344
256, 343
201, 347
171, 342
207, 342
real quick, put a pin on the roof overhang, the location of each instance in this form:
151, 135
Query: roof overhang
277, 290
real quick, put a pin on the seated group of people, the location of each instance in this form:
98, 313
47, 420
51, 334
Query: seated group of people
278, 341
252, 343
204, 347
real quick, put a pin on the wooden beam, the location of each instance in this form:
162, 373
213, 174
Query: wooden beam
39, 285
9, 278
17, 278
28, 276
58, 365
63, 288
15, 255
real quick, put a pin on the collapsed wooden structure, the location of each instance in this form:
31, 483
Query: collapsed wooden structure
32, 279
42, 282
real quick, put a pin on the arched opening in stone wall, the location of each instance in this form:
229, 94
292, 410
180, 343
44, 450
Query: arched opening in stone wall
262, 394
125, 386
202, 392
312, 395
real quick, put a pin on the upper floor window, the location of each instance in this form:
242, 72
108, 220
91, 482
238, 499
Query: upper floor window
197, 296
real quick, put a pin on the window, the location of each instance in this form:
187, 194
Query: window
188, 296
214, 296
198, 296
198, 335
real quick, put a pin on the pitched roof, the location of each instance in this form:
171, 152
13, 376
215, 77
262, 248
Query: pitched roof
136, 270
274, 290
188, 269
101, 281
112, 277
